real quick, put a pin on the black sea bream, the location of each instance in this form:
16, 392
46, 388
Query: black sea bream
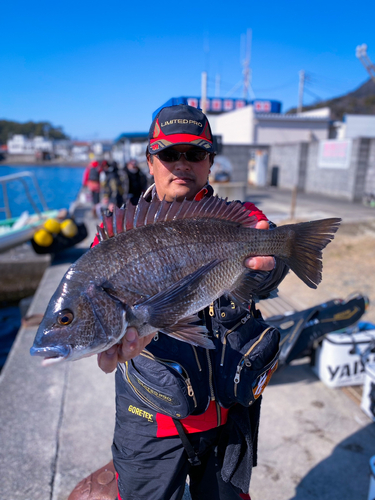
160, 263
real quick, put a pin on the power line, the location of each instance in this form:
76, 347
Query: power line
279, 87
314, 95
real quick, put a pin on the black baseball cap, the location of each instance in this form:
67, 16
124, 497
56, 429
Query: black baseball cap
181, 124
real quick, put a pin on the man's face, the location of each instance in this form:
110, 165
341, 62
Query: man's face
180, 179
133, 167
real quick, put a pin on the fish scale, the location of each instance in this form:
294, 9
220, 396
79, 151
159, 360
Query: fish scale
159, 264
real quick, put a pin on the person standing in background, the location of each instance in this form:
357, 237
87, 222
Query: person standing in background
137, 181
112, 186
91, 181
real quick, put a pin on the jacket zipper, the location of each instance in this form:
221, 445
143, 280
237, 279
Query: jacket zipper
245, 361
210, 375
196, 358
218, 413
243, 321
186, 375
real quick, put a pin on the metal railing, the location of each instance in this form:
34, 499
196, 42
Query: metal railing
21, 177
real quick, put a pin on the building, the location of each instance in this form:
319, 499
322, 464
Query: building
265, 147
251, 127
22, 145
354, 126
130, 145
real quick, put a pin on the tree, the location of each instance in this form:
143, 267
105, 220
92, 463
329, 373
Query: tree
9, 128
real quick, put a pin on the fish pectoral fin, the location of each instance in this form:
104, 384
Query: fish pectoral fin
245, 286
109, 289
187, 332
167, 306
116, 294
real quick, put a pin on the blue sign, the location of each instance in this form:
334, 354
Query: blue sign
223, 104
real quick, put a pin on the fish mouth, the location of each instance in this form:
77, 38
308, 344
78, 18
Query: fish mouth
51, 355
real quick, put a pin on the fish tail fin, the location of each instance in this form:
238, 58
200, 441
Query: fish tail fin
305, 251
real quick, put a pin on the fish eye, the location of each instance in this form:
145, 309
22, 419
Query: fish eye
65, 317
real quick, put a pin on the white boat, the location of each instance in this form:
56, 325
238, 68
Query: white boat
17, 230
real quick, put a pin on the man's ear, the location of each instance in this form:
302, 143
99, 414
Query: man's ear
150, 165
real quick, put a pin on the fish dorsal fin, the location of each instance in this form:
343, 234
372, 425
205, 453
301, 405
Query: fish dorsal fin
156, 211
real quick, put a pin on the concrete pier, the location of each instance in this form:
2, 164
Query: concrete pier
56, 423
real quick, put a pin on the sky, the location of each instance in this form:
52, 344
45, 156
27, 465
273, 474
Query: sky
98, 69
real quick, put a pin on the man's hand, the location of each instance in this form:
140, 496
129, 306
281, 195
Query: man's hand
265, 263
131, 346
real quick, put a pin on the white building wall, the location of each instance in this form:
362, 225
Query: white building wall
285, 131
20, 144
243, 126
42, 144
359, 126
235, 127
319, 112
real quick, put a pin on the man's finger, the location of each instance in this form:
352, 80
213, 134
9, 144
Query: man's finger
107, 360
266, 263
131, 334
262, 224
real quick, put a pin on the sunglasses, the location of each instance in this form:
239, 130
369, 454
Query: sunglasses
170, 155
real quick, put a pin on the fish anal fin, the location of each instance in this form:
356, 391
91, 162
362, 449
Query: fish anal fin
193, 334
249, 281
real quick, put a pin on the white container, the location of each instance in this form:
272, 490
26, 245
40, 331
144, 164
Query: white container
368, 395
371, 492
338, 359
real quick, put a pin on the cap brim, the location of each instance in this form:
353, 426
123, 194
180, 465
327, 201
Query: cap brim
157, 145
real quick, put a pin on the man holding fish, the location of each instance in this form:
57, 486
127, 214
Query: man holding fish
180, 171
167, 295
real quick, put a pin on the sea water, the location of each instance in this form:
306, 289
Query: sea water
10, 322
60, 186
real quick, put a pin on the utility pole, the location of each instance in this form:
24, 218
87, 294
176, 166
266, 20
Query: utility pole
204, 92
361, 53
300, 90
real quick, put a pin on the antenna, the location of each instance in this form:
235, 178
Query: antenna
217, 86
361, 53
246, 58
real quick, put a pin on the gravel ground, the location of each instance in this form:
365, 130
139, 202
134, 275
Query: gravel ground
348, 267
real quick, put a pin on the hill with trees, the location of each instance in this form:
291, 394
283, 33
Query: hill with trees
30, 129
359, 102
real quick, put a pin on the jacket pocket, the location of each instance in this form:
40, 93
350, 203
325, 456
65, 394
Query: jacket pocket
246, 363
163, 385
